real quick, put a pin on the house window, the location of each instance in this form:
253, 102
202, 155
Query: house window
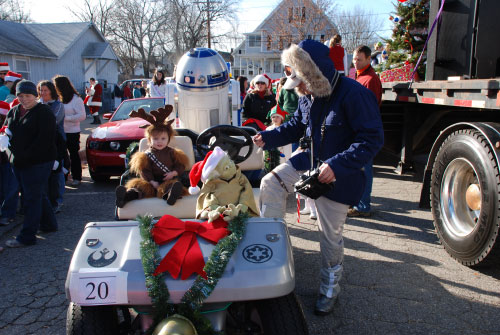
322, 39
242, 72
269, 42
250, 72
22, 66
268, 66
297, 13
254, 41
309, 37
281, 42
277, 67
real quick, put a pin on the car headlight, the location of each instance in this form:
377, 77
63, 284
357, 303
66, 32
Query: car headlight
114, 145
94, 145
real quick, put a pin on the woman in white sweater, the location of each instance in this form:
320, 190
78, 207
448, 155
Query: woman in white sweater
157, 86
74, 111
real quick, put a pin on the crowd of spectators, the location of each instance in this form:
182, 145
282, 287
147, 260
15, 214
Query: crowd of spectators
40, 143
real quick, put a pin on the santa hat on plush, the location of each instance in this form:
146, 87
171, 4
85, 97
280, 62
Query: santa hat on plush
202, 170
4, 67
4, 108
12, 76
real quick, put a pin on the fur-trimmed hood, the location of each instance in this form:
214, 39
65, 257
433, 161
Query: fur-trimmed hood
311, 62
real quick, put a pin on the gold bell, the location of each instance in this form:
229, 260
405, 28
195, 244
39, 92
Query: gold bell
175, 325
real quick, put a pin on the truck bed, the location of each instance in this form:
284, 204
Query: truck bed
471, 93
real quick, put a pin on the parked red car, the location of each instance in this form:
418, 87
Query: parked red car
111, 139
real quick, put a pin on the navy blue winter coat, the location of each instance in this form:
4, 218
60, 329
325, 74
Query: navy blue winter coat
353, 135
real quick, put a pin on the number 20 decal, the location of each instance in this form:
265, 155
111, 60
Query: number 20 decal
102, 291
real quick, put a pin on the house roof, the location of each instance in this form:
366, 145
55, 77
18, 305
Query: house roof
17, 39
51, 40
58, 37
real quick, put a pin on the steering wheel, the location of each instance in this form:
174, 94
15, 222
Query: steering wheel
224, 136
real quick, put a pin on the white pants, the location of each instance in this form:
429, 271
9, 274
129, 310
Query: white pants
331, 219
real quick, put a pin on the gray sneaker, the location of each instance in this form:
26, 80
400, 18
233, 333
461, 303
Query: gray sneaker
76, 182
6, 221
324, 305
15, 244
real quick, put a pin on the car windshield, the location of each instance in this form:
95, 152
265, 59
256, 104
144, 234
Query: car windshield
129, 105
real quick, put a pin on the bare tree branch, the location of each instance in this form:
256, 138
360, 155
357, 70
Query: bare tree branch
357, 27
13, 10
99, 13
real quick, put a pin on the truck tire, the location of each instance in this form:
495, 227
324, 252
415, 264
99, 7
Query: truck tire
277, 316
91, 320
465, 191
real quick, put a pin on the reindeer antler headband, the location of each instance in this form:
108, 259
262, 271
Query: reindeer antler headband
157, 118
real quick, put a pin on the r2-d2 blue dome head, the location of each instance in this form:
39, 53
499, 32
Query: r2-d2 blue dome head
201, 69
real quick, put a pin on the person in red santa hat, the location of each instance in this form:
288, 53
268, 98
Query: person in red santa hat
4, 68
258, 103
4, 109
94, 99
9, 80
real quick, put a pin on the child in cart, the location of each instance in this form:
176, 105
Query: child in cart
159, 167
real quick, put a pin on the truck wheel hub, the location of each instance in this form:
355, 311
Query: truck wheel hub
473, 197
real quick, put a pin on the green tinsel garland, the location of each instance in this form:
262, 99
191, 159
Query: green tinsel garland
193, 299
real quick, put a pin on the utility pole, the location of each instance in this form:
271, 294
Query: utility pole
208, 9
208, 23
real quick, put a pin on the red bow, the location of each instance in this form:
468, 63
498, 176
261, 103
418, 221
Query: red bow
186, 252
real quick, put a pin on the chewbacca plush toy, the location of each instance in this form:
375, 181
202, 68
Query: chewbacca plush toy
159, 167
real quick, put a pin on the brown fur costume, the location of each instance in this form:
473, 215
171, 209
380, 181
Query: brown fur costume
140, 162
143, 166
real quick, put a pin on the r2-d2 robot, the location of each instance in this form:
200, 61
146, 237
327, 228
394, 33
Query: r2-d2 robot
202, 81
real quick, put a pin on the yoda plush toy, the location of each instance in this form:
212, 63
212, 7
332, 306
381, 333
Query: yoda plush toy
225, 189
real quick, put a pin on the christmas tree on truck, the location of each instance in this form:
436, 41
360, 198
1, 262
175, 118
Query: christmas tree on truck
411, 21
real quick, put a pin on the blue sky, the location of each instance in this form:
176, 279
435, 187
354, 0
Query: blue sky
254, 11
251, 12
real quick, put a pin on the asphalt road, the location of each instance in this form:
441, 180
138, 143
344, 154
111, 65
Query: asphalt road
397, 278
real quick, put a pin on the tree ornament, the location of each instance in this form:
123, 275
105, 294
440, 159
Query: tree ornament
396, 19
175, 325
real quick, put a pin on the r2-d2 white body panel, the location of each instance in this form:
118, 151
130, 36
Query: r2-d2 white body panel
202, 81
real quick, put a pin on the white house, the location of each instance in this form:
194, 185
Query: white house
291, 21
41, 50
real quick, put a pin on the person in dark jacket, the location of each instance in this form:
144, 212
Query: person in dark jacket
31, 127
352, 136
258, 103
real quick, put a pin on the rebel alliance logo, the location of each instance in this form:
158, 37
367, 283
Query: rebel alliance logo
257, 253
101, 261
